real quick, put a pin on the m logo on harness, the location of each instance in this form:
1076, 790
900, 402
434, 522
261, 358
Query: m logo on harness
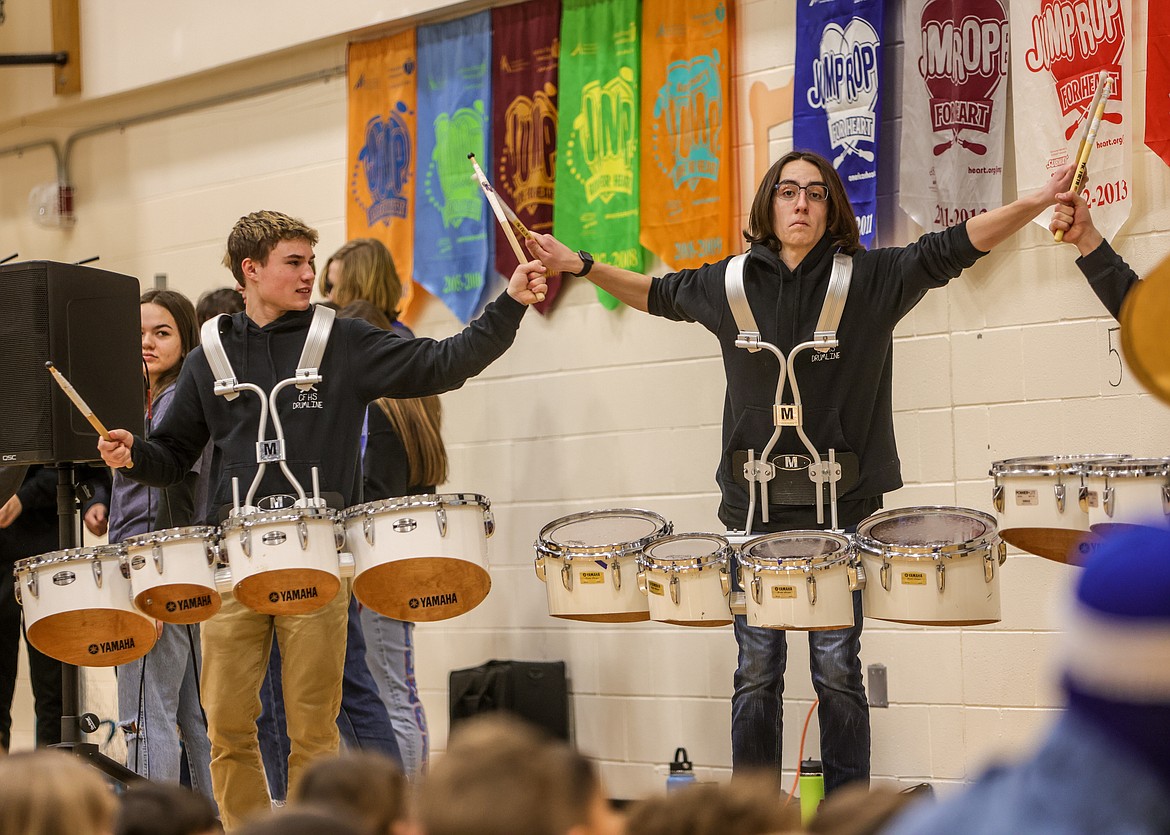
269, 451
786, 414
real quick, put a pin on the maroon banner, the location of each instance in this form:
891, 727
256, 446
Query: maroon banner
1158, 80
525, 58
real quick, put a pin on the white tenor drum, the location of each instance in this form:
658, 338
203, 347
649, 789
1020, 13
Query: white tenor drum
1037, 502
283, 562
1135, 491
78, 607
931, 565
686, 578
421, 558
798, 580
172, 573
588, 562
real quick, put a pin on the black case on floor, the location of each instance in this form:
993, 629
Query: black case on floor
533, 690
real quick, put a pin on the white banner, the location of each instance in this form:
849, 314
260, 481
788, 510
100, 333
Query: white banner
954, 109
1058, 49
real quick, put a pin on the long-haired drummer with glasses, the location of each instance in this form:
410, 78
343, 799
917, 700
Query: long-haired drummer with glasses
800, 220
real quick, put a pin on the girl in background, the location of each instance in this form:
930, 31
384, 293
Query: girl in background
158, 695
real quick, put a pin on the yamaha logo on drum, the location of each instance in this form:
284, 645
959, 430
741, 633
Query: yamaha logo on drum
137, 562
197, 602
293, 595
404, 525
274, 538
120, 645
433, 600
64, 578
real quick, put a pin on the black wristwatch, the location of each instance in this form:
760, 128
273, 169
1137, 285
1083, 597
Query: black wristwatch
586, 261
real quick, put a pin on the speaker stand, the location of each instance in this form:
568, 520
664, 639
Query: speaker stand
73, 721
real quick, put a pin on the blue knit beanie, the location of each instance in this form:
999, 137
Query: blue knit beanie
1117, 658
1118, 644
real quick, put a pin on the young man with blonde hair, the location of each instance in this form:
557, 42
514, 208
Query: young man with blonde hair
271, 256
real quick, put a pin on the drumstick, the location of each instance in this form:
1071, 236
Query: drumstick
81, 405
494, 201
1104, 87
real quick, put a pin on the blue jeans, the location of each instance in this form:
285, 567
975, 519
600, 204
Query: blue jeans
757, 703
363, 721
158, 698
390, 656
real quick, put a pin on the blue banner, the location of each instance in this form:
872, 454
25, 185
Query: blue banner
836, 101
453, 232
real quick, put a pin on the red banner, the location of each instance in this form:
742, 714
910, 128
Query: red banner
1158, 80
525, 58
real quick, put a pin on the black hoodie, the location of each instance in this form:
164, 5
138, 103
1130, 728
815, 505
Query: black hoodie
846, 393
322, 426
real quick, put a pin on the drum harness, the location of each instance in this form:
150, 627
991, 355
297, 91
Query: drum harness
306, 376
761, 471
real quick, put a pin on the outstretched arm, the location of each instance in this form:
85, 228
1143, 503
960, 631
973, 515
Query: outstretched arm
990, 229
627, 286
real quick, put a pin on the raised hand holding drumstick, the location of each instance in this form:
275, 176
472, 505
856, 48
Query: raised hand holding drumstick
1096, 111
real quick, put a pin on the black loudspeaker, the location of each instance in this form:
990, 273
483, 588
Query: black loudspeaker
88, 323
536, 691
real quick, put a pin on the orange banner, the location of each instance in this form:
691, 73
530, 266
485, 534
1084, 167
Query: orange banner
383, 98
688, 180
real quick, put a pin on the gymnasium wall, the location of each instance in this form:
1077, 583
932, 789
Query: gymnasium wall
596, 409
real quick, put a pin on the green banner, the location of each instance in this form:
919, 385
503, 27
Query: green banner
597, 199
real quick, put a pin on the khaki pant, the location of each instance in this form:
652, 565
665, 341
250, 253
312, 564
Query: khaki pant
236, 646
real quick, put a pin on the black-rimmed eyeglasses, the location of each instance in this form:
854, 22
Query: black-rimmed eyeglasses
788, 191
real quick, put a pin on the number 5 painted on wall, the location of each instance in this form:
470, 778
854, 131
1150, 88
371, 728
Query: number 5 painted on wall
1113, 350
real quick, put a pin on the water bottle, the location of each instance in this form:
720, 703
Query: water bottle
682, 773
812, 789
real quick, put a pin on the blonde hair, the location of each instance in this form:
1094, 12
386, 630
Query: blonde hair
255, 236
368, 273
53, 793
501, 776
418, 422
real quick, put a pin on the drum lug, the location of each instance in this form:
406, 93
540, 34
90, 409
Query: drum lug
441, 518
567, 576
725, 581
988, 568
209, 549
942, 576
1107, 498
31, 582
856, 574
885, 576
812, 590
643, 586
674, 588
1058, 489
538, 564
16, 590
1166, 499
339, 538
997, 498
124, 566
156, 552
1002, 552
303, 534
368, 528
97, 572
757, 589
489, 523
616, 574
246, 541
1083, 498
